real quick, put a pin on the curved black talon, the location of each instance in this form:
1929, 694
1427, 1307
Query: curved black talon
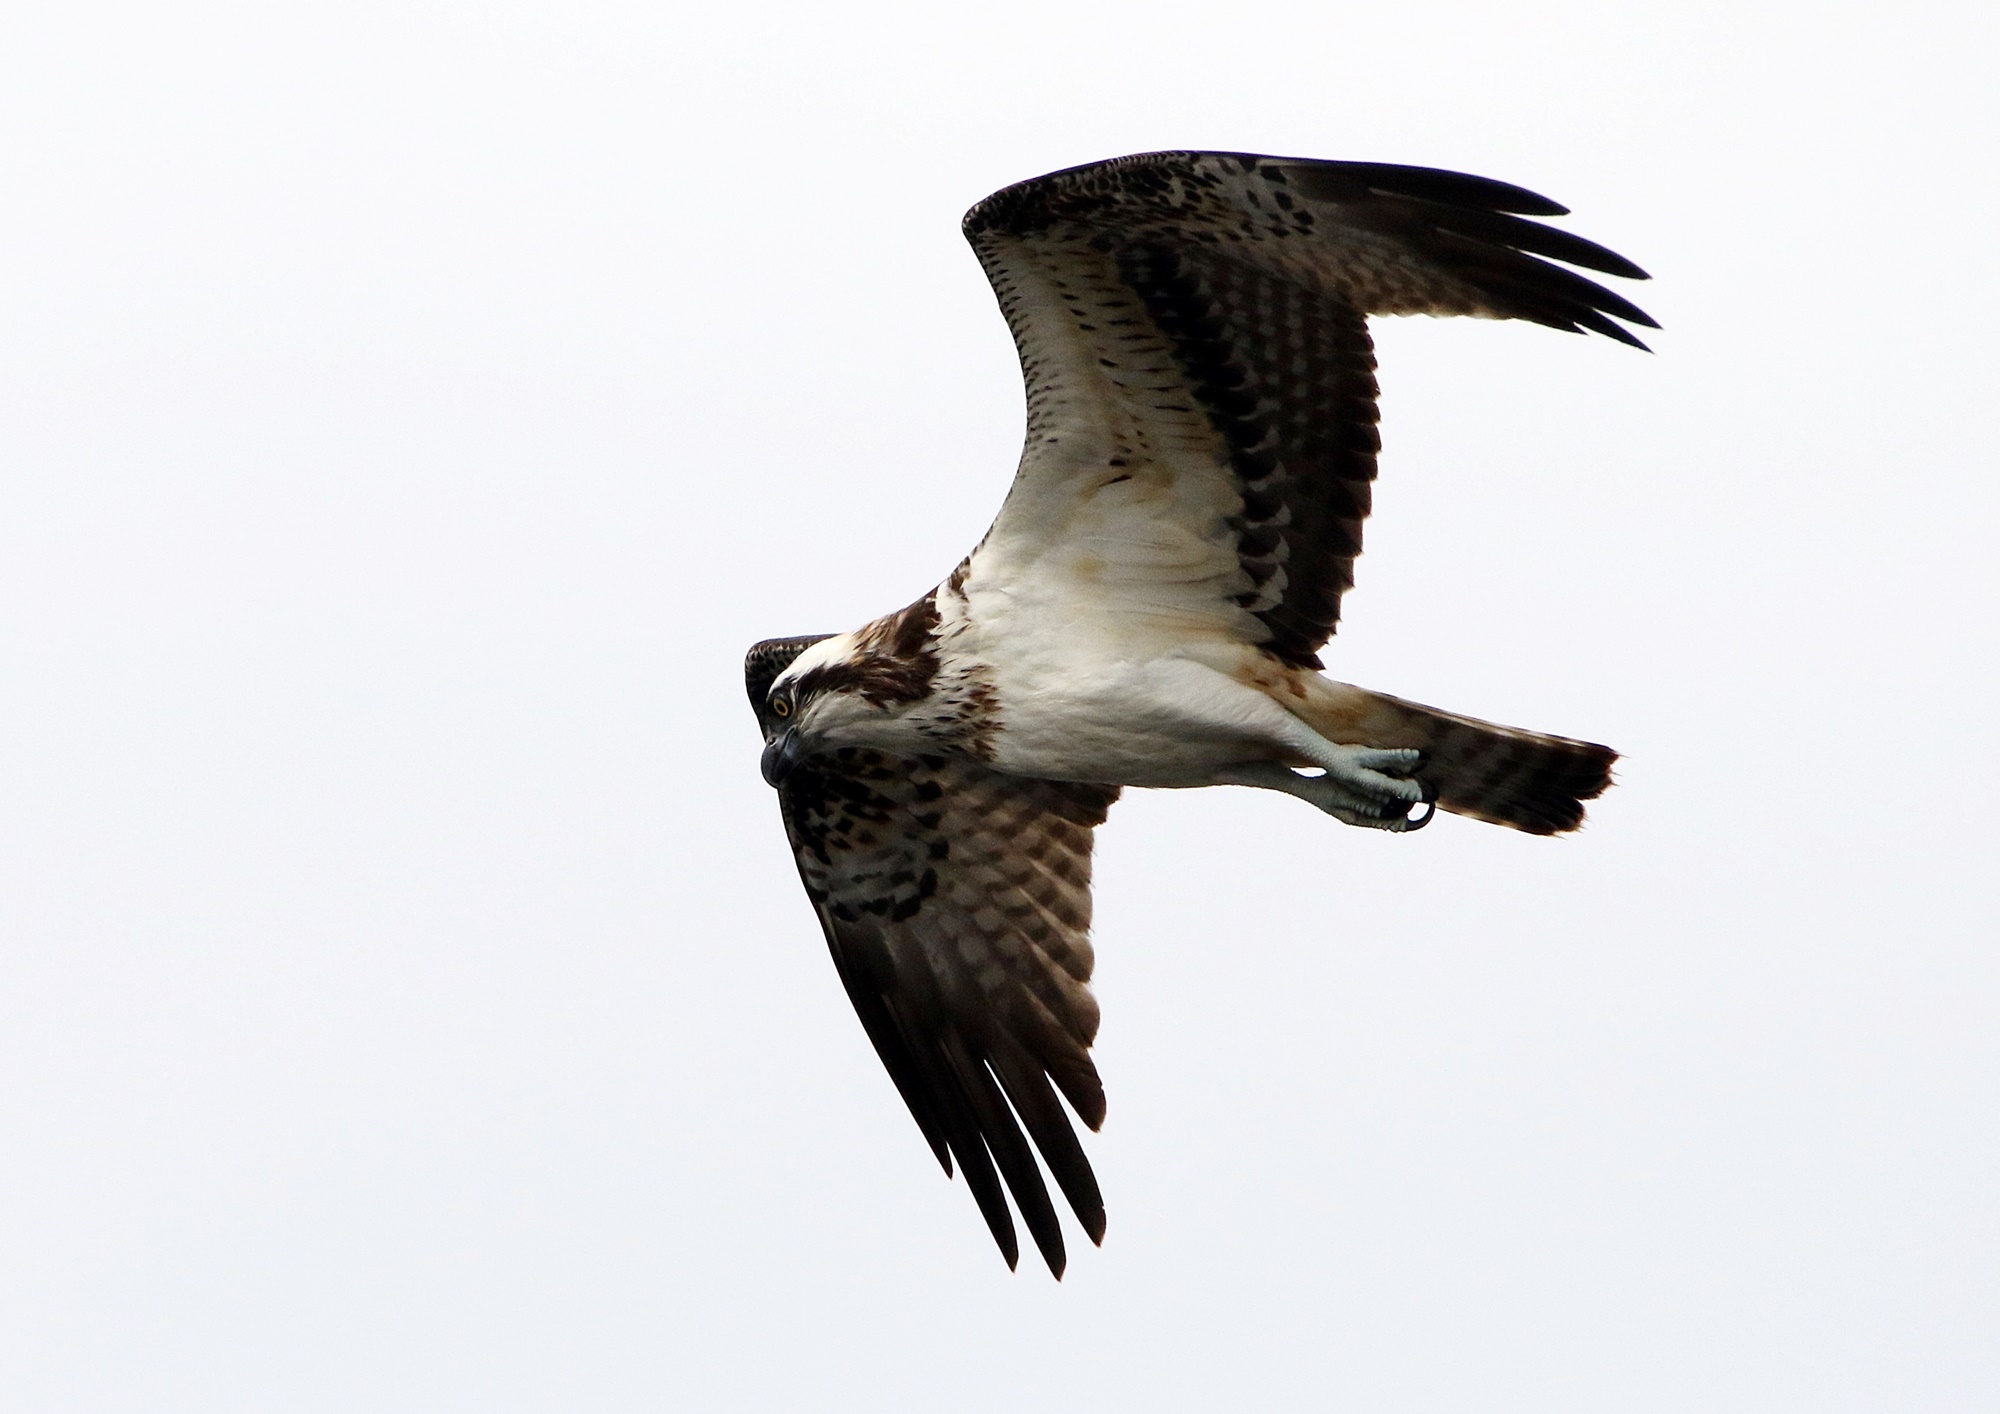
1429, 802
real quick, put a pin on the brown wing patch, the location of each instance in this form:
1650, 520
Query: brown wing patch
956, 904
1286, 375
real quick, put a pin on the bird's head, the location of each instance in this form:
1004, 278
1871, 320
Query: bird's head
825, 691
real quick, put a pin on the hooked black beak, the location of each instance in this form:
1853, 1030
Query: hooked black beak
781, 754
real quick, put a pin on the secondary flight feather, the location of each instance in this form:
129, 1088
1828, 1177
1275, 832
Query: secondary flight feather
1147, 610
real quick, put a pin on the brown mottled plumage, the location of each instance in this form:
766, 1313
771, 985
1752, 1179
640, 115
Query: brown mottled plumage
895, 662
1147, 610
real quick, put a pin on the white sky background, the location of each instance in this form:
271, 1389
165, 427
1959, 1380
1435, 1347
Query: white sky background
410, 412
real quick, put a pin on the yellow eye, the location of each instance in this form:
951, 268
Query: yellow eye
781, 706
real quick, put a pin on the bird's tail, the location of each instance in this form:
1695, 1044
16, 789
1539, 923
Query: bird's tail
1511, 777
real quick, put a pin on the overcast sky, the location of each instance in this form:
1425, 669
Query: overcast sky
411, 411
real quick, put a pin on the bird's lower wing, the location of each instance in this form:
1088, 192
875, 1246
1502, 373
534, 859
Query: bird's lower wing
956, 904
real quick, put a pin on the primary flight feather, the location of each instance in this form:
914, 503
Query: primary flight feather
1147, 610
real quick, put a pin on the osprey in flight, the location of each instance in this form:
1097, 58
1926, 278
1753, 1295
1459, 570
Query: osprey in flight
1147, 610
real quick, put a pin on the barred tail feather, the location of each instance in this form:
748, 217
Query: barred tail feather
1521, 779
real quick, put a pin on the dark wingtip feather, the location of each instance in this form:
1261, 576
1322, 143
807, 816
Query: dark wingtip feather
1027, 1089
1597, 323
1480, 219
992, 1202
1334, 180
1533, 289
1537, 239
1009, 1151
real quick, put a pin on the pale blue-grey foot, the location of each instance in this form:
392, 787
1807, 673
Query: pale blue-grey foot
1367, 786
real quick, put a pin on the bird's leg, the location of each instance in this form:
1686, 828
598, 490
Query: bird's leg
1379, 774
1361, 785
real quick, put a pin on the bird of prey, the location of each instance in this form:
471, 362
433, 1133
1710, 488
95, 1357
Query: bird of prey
1147, 610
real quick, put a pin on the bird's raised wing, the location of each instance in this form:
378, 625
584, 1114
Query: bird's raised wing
956, 902
1200, 380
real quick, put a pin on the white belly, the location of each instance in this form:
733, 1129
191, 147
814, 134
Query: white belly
1133, 670
1162, 722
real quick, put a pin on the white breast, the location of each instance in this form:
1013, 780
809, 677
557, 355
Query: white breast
1155, 695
